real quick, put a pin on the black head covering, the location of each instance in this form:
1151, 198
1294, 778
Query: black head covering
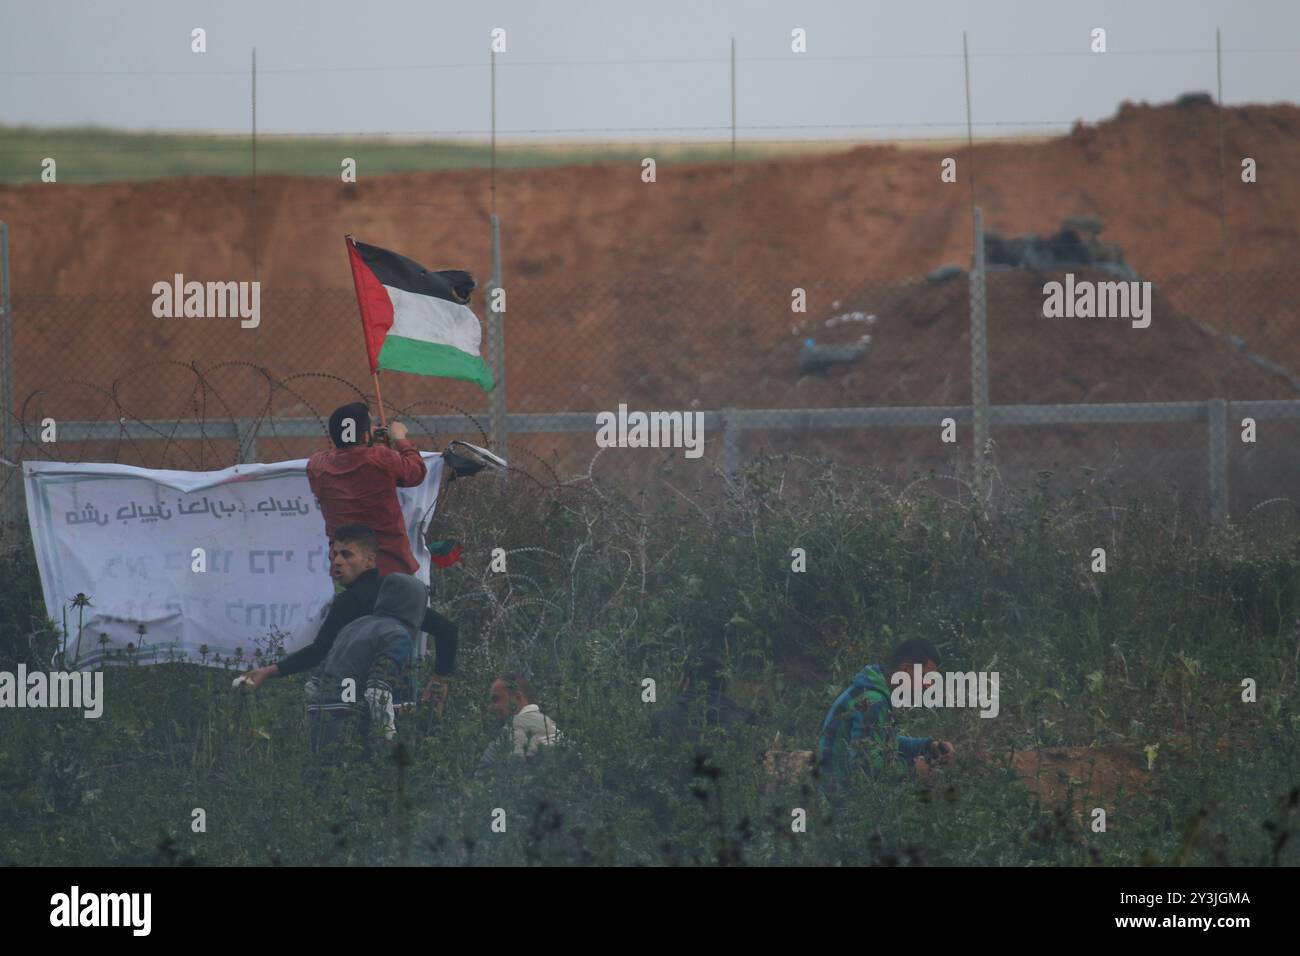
360, 416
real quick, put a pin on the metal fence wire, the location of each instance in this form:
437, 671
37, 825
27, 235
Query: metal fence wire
769, 359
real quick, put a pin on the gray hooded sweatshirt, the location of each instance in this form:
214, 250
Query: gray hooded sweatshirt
374, 649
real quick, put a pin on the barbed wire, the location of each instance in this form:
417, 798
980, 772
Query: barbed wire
187, 433
1228, 331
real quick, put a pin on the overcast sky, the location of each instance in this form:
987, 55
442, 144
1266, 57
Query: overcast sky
657, 69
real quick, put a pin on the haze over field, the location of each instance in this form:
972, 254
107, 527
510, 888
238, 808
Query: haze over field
661, 71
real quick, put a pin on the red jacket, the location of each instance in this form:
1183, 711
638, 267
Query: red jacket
358, 485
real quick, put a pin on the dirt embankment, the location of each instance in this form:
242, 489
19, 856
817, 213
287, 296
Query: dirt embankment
1150, 173
679, 291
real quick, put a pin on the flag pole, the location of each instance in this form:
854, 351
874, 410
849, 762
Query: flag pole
382, 423
374, 372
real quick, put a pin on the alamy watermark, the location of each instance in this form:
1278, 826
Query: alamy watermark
624, 429
1086, 299
102, 909
950, 689
211, 300
77, 689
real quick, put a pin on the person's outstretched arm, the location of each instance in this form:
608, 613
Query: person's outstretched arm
341, 611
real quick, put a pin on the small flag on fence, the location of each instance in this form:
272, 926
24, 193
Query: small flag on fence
416, 320
445, 553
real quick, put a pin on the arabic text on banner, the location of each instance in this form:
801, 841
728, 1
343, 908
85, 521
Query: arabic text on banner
125, 538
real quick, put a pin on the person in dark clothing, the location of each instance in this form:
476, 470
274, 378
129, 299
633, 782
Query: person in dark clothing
352, 566
700, 718
700, 698
372, 652
696, 725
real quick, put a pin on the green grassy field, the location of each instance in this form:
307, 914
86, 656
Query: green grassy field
92, 155
604, 589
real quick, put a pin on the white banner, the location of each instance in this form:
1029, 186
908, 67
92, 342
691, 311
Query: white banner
125, 537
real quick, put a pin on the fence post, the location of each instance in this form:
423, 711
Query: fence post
13, 484
1217, 415
979, 361
497, 398
246, 439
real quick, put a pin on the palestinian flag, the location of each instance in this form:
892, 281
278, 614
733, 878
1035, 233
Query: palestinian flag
445, 553
416, 320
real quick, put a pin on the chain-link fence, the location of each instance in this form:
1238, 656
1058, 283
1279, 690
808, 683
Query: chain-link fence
751, 292
1095, 397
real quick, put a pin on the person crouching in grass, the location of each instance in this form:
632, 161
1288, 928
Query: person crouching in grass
858, 736
366, 663
526, 730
